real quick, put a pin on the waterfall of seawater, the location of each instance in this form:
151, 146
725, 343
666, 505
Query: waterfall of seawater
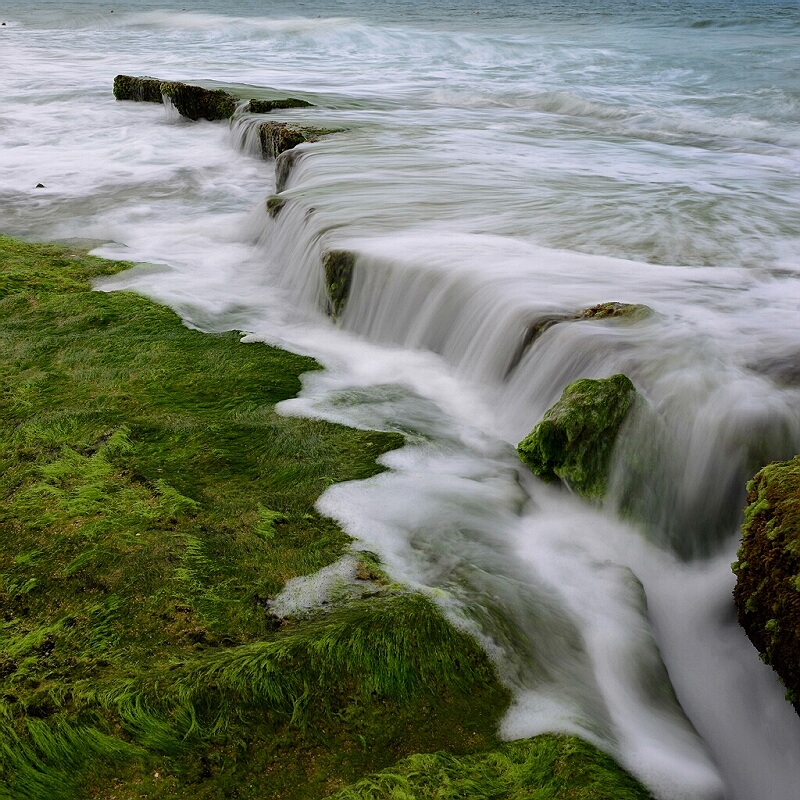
495, 171
579, 607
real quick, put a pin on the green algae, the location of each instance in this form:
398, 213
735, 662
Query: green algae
575, 439
767, 570
141, 90
267, 106
278, 137
536, 769
195, 103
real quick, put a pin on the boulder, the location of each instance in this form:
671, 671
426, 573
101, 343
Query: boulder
767, 592
576, 437
338, 268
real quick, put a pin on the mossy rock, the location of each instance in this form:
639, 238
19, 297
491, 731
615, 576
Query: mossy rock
631, 312
141, 90
278, 137
338, 267
767, 592
267, 106
196, 103
614, 310
274, 205
284, 164
575, 439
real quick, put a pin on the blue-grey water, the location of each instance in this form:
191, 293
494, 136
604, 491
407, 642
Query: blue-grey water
500, 162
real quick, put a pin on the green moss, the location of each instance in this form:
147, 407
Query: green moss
266, 106
196, 103
338, 268
152, 502
614, 310
767, 593
278, 137
537, 769
274, 205
575, 439
146, 90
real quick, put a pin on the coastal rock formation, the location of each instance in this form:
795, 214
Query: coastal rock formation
767, 592
338, 267
195, 102
284, 164
574, 440
631, 312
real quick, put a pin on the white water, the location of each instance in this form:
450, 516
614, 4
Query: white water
501, 163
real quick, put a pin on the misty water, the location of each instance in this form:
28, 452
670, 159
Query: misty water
501, 162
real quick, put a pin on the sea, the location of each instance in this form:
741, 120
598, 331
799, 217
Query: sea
499, 163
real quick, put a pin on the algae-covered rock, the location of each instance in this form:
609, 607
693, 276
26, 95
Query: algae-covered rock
266, 106
142, 90
278, 137
575, 439
284, 164
767, 592
614, 310
630, 312
193, 102
196, 103
274, 205
338, 267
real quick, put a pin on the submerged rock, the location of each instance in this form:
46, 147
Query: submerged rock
575, 439
338, 267
611, 310
266, 106
767, 592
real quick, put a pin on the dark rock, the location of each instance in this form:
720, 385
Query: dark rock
767, 592
142, 90
284, 164
40, 186
196, 103
266, 106
575, 439
278, 137
611, 310
338, 267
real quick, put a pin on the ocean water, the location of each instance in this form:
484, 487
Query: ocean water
501, 162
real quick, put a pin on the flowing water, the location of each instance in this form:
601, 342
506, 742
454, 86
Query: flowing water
502, 162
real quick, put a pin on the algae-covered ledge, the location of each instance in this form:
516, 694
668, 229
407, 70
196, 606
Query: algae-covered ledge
153, 505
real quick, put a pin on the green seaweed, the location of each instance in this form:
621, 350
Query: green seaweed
543, 768
267, 106
575, 439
